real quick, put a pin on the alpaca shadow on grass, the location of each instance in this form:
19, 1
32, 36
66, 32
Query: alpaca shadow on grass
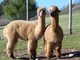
63, 56
40, 57
66, 55
23, 58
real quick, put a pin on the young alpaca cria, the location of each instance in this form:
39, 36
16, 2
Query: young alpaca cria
26, 30
53, 35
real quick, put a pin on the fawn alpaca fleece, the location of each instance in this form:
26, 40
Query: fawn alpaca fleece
53, 35
25, 30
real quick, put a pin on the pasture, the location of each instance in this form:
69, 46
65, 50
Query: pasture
71, 43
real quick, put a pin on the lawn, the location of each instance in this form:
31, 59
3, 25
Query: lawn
69, 42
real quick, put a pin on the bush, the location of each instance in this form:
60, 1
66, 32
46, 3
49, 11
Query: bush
16, 9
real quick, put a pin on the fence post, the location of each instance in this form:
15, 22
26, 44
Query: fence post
70, 16
27, 10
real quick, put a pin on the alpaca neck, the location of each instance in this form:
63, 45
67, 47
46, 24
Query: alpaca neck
54, 22
41, 22
40, 28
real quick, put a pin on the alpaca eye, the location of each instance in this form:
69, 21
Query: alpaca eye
43, 10
40, 10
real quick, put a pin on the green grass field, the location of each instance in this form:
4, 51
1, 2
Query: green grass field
69, 42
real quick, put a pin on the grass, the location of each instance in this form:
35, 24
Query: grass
69, 42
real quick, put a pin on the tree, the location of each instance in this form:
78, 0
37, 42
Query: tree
32, 4
1, 11
16, 9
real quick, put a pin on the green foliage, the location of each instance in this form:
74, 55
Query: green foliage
32, 4
16, 9
5, 2
1, 11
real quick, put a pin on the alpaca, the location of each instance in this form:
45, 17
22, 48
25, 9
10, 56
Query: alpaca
26, 30
53, 34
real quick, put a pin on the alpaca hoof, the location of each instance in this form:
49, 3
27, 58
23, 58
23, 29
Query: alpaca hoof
12, 56
59, 57
32, 58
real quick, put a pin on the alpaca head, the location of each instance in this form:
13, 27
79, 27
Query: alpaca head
54, 11
41, 11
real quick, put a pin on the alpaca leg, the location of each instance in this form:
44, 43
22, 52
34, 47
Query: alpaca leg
58, 50
9, 48
49, 50
45, 46
32, 45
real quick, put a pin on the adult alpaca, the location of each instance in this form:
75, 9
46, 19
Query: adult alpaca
25, 30
53, 35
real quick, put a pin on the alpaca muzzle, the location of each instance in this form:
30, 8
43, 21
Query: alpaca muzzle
52, 13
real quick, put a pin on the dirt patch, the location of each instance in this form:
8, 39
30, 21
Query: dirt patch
67, 54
